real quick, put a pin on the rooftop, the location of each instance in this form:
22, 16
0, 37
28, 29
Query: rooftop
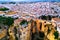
56, 19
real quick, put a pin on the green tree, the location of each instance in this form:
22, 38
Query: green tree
6, 20
56, 34
9, 21
4, 9
23, 22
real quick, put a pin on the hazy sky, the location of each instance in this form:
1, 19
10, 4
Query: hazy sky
29, 0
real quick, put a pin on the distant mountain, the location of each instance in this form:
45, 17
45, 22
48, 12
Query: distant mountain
13, 2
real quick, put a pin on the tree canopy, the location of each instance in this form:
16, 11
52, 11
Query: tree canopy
6, 20
56, 34
23, 22
4, 9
